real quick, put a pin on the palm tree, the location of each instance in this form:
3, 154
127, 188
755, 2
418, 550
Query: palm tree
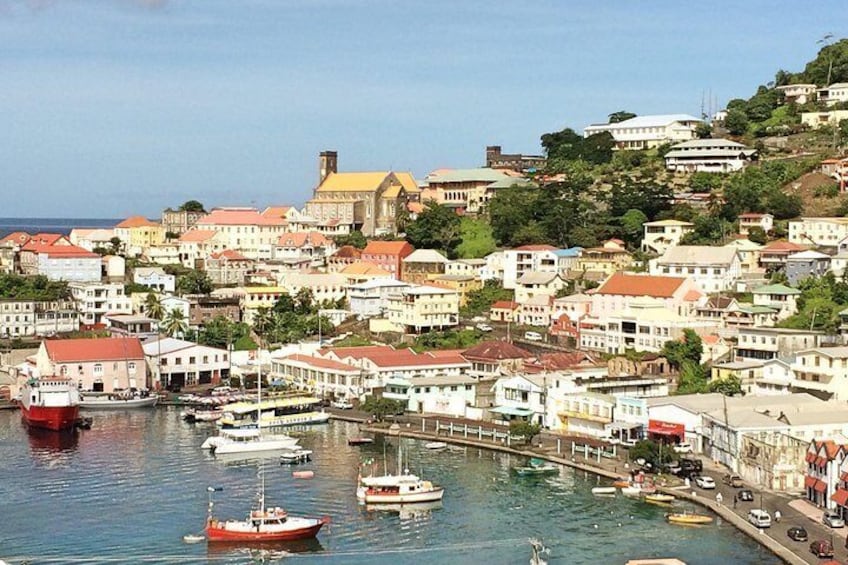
263, 322
175, 323
153, 306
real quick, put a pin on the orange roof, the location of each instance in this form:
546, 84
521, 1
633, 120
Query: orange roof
640, 285
321, 362
42, 239
504, 305
18, 237
93, 349
301, 239
276, 211
136, 222
383, 356
229, 254
364, 268
238, 217
66, 251
197, 235
496, 350
782, 246
415, 207
692, 295
387, 248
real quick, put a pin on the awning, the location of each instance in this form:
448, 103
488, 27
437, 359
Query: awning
666, 428
809, 481
511, 411
820, 486
623, 426
398, 381
840, 497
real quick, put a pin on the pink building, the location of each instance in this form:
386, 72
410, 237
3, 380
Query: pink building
105, 364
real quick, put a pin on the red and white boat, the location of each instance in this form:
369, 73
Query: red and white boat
263, 524
51, 403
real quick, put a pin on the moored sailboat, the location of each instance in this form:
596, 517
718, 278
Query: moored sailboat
402, 488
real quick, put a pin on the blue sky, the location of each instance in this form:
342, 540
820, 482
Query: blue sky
116, 107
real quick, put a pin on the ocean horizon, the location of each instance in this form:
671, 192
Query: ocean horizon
53, 225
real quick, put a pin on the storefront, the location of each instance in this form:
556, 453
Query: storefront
667, 432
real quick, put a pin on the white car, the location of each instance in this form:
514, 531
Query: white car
683, 448
532, 336
341, 404
484, 327
705, 482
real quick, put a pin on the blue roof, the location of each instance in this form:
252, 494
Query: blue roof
570, 252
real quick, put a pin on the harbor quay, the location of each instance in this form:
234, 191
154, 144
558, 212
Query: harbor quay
584, 454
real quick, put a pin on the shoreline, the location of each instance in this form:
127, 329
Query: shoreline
777, 549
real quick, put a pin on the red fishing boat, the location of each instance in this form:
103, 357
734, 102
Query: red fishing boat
263, 524
51, 403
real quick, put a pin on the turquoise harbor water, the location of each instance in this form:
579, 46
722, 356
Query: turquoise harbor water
128, 490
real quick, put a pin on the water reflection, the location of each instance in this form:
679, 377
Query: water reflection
263, 550
407, 511
48, 442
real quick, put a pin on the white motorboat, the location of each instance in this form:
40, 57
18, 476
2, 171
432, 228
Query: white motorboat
295, 455
202, 413
603, 490
117, 400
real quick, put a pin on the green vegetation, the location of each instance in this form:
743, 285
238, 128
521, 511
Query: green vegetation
821, 300
354, 238
652, 453
221, 331
677, 352
194, 282
524, 430
379, 408
451, 339
292, 319
353, 340
192, 206
174, 323
477, 238
38, 287
480, 301
436, 227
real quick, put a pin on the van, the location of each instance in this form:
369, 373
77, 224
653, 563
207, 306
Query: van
532, 336
759, 518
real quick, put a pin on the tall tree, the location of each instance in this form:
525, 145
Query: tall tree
688, 349
153, 306
436, 227
194, 282
192, 206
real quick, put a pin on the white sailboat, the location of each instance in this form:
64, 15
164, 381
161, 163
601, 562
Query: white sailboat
249, 441
403, 488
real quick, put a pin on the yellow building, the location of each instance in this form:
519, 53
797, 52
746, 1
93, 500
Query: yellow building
137, 233
462, 284
611, 257
424, 308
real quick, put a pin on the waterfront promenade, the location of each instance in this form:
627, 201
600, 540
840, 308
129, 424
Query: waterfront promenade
558, 449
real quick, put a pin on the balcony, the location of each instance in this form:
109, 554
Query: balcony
583, 416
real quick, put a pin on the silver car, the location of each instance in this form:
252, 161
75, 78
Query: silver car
833, 519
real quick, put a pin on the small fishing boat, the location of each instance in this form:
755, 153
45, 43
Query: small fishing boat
688, 518
537, 467
117, 400
436, 446
262, 524
356, 441
193, 538
659, 498
603, 490
295, 455
631, 491
402, 488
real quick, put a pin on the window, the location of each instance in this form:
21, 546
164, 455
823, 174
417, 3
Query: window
131, 366
63, 370
98, 369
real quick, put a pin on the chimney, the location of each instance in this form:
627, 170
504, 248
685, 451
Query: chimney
328, 162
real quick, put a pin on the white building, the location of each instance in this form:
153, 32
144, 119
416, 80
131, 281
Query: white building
245, 230
834, 94
797, 93
424, 308
324, 377
714, 269
311, 247
678, 294
646, 132
583, 413
780, 297
822, 371
661, 235
324, 286
68, 263
370, 298
154, 278
178, 363
709, 156
19, 318
525, 259
520, 397
763, 221
450, 396
96, 299
821, 232
466, 268
90, 239
535, 284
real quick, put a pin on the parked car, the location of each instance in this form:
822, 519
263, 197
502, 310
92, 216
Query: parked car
797, 533
683, 448
532, 336
696, 464
822, 548
705, 482
484, 327
745, 495
341, 404
832, 519
478, 319
673, 468
733, 480
759, 518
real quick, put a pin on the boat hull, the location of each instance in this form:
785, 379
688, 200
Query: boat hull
56, 418
106, 404
407, 498
221, 534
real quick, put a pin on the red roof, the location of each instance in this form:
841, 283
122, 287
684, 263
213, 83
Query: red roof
322, 363
93, 349
136, 222
504, 305
387, 248
809, 481
640, 285
782, 246
537, 247
348, 252
230, 255
496, 350
384, 356
197, 235
239, 217
42, 239
811, 456
66, 251
820, 486
18, 237
840, 497
692, 295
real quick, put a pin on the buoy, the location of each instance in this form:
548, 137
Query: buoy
193, 538
595, 526
303, 474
